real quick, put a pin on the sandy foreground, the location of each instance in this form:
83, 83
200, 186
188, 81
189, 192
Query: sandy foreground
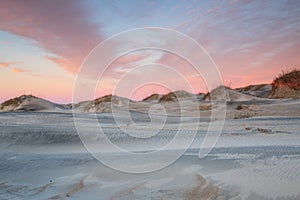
256, 157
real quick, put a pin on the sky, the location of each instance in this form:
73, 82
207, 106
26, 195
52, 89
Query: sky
44, 43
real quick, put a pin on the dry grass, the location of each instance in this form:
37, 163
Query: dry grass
168, 97
153, 97
244, 111
107, 98
252, 87
286, 85
205, 107
174, 96
14, 102
202, 190
241, 107
290, 78
216, 93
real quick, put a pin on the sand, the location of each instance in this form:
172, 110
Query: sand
257, 155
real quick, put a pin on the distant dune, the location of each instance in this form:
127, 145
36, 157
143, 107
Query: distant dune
153, 98
104, 104
260, 90
174, 96
29, 103
286, 85
228, 93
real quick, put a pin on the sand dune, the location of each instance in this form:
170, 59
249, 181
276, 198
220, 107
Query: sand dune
174, 96
261, 90
227, 94
153, 98
29, 103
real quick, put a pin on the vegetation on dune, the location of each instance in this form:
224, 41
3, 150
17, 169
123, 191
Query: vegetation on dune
168, 97
15, 101
174, 96
286, 85
290, 78
218, 91
12, 102
153, 97
106, 98
252, 87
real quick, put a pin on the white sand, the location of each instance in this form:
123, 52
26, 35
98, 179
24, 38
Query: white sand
256, 157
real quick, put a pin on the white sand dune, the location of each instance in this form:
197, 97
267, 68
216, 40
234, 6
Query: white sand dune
30, 103
261, 90
227, 94
102, 104
153, 98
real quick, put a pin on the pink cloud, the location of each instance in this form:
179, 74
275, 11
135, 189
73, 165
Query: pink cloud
129, 59
245, 58
60, 27
18, 70
6, 64
64, 63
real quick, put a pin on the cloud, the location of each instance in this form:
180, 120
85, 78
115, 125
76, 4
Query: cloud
18, 70
64, 63
127, 59
60, 27
6, 64
251, 36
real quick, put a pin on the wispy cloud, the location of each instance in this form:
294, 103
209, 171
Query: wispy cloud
127, 59
246, 35
18, 70
62, 28
64, 63
6, 64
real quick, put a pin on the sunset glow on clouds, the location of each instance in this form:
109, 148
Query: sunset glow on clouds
44, 42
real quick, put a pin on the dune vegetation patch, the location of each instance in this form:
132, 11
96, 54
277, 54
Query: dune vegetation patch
288, 78
286, 85
15, 102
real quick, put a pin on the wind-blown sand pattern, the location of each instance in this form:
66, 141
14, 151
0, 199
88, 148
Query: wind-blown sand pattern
260, 150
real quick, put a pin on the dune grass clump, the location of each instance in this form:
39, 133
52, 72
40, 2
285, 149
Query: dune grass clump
168, 97
14, 102
290, 78
286, 85
152, 97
